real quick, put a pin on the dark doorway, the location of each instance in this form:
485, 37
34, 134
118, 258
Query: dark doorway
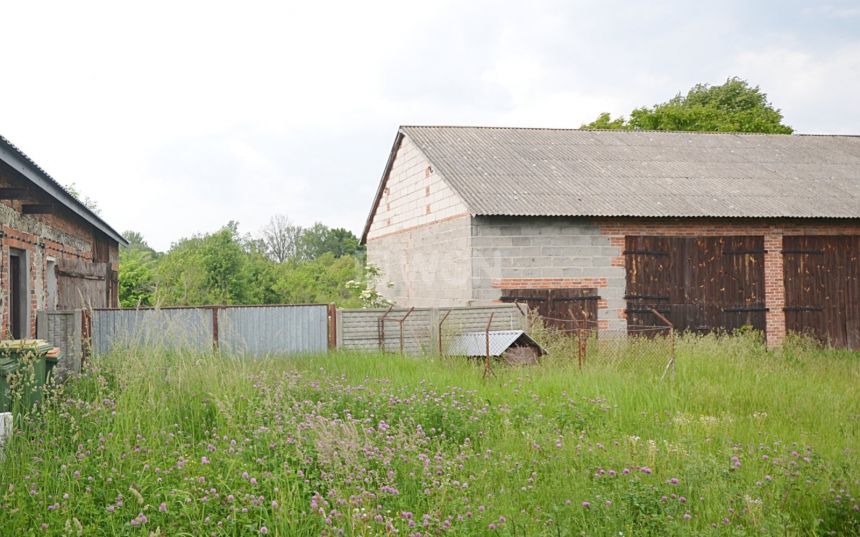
18, 314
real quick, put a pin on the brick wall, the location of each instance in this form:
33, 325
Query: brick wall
58, 235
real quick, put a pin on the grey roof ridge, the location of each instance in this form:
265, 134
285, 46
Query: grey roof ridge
53, 188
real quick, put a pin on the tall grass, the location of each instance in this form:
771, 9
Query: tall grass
739, 440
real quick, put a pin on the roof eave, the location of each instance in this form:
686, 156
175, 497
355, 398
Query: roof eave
23, 165
381, 188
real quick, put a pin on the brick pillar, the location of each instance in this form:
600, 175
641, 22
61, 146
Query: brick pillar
774, 289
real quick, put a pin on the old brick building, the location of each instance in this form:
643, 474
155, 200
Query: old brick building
55, 253
716, 231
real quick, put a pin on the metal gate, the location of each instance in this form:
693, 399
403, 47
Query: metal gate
822, 288
700, 284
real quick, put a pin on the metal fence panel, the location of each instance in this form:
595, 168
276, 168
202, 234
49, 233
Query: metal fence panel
175, 329
266, 330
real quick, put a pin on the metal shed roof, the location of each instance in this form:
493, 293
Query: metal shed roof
25, 166
475, 343
569, 172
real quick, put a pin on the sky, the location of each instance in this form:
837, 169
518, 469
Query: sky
180, 116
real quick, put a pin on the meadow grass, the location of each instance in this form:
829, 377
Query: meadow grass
737, 441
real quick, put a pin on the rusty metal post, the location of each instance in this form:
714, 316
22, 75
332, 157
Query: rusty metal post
487, 364
581, 341
332, 326
442, 352
380, 329
671, 365
400, 322
215, 337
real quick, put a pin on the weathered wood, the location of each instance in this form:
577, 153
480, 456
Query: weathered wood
13, 193
38, 208
701, 284
822, 288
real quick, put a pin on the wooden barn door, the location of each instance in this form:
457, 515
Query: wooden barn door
700, 284
822, 288
81, 284
556, 305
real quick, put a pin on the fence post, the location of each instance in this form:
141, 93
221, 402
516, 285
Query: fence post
332, 326
671, 365
216, 343
439, 329
400, 322
487, 364
380, 328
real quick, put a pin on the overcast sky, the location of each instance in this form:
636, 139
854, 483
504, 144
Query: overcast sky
180, 116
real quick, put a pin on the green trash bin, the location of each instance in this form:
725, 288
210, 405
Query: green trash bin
8, 366
18, 355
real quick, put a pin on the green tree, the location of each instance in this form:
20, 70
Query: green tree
320, 239
320, 280
731, 107
137, 263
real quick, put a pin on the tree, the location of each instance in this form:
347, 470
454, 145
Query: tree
320, 239
731, 107
281, 238
136, 278
137, 264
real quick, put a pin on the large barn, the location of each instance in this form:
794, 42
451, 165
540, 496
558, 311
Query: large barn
55, 252
715, 231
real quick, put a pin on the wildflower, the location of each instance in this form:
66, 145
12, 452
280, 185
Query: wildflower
491, 526
162, 507
674, 481
264, 530
645, 470
625, 471
687, 516
253, 480
204, 460
682, 499
586, 504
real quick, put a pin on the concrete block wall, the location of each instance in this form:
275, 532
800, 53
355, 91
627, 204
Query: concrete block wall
426, 266
545, 253
63, 329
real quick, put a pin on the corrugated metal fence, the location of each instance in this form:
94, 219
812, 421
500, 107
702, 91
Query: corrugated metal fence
292, 329
254, 330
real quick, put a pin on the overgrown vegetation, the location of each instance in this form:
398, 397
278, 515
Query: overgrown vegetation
741, 441
288, 265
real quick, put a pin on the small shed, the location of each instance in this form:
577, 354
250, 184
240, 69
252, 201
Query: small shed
513, 347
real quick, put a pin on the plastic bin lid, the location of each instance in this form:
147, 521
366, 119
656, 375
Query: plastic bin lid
32, 345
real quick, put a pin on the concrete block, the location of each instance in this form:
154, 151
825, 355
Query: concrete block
5, 427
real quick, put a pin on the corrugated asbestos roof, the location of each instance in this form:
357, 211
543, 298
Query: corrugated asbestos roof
558, 172
20, 162
475, 343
